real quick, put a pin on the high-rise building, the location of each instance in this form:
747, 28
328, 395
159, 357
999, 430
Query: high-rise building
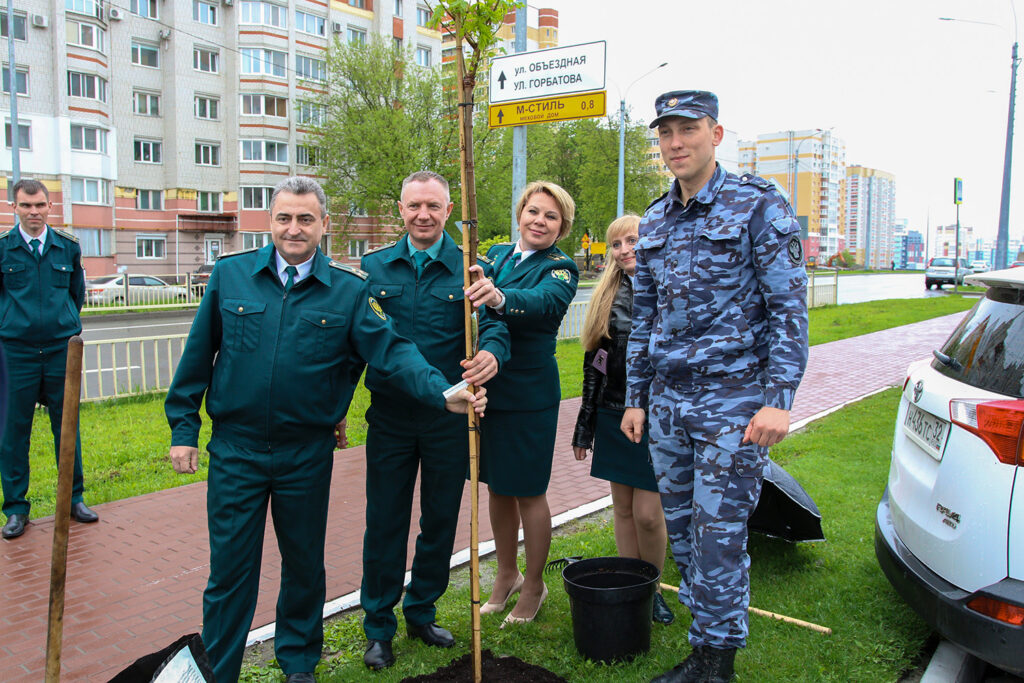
870, 205
945, 240
809, 165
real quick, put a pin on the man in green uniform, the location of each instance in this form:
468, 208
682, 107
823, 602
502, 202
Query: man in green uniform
42, 289
418, 281
277, 347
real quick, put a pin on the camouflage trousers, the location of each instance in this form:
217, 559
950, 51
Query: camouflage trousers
709, 485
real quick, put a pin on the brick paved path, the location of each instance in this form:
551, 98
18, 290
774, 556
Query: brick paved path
135, 579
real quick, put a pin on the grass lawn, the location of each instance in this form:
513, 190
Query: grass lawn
842, 461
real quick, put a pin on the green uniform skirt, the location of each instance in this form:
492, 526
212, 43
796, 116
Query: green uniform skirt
618, 459
516, 448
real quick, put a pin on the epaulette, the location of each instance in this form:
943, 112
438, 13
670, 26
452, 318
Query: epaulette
502, 244
380, 248
65, 235
756, 181
655, 202
349, 269
479, 256
237, 253
558, 257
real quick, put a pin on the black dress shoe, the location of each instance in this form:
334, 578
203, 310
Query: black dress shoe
378, 654
661, 613
431, 634
300, 678
15, 525
82, 514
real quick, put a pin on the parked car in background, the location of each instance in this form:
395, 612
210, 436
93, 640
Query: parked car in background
979, 266
949, 530
142, 290
201, 278
1017, 264
942, 271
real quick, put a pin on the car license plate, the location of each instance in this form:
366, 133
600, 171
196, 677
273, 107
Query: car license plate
926, 430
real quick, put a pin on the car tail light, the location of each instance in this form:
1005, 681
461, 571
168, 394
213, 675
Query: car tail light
997, 609
997, 423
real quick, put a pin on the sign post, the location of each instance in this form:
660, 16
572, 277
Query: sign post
958, 199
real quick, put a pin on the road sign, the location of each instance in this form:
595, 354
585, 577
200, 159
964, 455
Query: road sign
585, 242
547, 109
545, 73
958, 191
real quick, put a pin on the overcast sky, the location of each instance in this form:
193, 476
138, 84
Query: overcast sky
920, 98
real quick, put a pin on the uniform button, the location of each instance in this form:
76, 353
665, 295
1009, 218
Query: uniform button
382, 292
451, 296
323, 321
240, 309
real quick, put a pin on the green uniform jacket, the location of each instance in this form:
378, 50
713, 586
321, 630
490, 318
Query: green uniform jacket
429, 312
537, 294
40, 300
286, 363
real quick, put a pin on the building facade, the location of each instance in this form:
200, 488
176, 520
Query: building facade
870, 221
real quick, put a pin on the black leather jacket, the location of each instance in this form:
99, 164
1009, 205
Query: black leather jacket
602, 390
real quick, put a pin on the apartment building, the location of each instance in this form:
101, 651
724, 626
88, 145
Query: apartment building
946, 240
161, 126
870, 220
810, 165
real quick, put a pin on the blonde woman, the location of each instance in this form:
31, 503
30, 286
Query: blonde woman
639, 520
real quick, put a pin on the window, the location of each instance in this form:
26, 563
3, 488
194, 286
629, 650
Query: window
20, 21
399, 10
146, 103
204, 12
356, 248
311, 113
88, 138
148, 151
257, 60
356, 210
264, 105
94, 242
256, 198
361, 4
397, 43
144, 8
89, 86
208, 201
255, 240
422, 16
308, 156
356, 36
423, 56
265, 13
149, 200
207, 107
20, 79
90, 7
310, 68
88, 191
206, 59
86, 35
24, 135
207, 154
270, 151
144, 54
150, 246
310, 23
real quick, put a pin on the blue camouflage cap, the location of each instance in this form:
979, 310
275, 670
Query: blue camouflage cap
691, 104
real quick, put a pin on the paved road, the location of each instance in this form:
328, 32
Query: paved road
857, 288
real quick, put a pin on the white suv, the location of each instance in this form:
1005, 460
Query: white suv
949, 530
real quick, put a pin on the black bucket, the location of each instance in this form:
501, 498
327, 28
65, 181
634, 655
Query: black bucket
611, 600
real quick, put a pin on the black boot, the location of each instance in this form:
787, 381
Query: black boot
718, 665
661, 614
689, 671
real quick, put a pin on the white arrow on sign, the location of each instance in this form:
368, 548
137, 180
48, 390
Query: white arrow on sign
544, 73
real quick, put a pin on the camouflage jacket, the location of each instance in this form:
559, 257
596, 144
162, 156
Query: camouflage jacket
720, 292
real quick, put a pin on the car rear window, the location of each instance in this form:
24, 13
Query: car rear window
942, 262
987, 348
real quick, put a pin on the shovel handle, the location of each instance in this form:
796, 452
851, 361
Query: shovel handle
774, 615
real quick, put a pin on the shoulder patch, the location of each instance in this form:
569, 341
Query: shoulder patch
655, 202
380, 248
561, 274
349, 269
237, 253
65, 235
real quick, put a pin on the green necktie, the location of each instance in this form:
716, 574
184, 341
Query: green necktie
292, 271
34, 245
510, 265
420, 258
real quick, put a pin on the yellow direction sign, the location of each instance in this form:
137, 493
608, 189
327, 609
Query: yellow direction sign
561, 108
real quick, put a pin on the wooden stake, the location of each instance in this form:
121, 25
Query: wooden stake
62, 514
781, 617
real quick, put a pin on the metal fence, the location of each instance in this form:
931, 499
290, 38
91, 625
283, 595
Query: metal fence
113, 368
822, 287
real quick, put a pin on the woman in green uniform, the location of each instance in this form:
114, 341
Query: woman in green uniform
532, 289
639, 519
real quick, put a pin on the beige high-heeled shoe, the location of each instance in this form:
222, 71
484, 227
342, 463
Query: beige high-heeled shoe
509, 619
492, 607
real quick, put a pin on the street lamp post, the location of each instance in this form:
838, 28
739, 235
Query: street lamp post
796, 178
620, 196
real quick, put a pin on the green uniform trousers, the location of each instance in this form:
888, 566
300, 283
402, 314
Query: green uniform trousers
296, 481
34, 376
439, 450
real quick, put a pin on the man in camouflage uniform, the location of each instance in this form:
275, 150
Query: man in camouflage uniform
718, 346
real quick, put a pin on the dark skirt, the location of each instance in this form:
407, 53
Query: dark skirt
516, 448
618, 459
